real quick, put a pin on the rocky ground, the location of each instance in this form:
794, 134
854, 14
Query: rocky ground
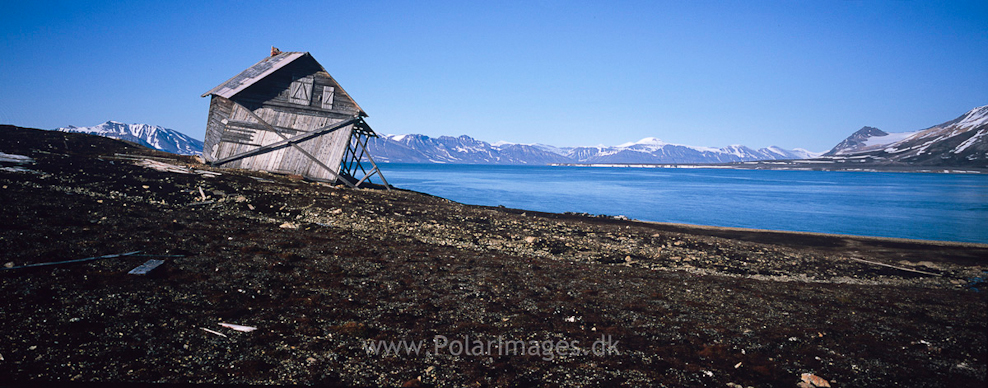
325, 274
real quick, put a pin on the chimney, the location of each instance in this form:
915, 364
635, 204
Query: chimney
275, 51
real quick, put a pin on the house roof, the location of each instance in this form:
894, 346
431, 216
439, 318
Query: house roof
254, 73
264, 68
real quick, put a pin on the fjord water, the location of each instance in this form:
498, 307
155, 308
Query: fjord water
928, 206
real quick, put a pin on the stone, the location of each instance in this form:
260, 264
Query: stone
814, 380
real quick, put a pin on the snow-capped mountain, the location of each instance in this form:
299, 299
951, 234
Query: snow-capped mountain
652, 150
866, 139
151, 136
456, 150
467, 150
959, 142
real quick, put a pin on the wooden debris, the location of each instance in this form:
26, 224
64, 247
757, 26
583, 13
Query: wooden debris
159, 164
242, 328
202, 203
214, 332
141, 157
73, 261
164, 167
207, 174
147, 267
895, 267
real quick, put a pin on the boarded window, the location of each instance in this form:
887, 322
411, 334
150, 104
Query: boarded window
301, 91
327, 97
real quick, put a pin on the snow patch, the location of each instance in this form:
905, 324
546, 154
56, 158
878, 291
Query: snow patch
878, 141
776, 150
807, 154
976, 117
649, 141
967, 143
553, 149
17, 169
16, 159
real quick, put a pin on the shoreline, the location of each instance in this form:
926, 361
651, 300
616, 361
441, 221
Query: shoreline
965, 244
714, 228
888, 248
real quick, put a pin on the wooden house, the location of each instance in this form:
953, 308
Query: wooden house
286, 114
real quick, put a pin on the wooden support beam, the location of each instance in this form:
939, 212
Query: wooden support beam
366, 175
364, 145
356, 153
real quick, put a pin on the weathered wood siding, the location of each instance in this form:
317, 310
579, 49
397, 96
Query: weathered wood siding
219, 110
298, 98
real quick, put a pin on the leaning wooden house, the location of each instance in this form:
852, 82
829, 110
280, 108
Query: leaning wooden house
286, 114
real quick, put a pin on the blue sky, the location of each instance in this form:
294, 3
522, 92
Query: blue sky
708, 73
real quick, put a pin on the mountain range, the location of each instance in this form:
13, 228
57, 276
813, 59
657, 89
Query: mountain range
958, 142
467, 150
151, 136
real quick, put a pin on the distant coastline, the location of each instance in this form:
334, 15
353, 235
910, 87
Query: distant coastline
795, 165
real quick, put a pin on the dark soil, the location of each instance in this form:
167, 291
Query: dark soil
323, 271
